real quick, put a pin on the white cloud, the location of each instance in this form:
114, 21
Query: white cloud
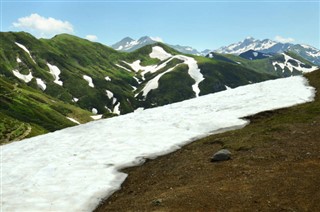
92, 37
158, 39
283, 40
42, 26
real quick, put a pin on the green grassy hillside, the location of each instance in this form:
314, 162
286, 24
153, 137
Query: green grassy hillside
219, 74
45, 80
26, 109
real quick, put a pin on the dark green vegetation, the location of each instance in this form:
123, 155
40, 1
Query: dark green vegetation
254, 55
28, 108
170, 89
275, 166
218, 75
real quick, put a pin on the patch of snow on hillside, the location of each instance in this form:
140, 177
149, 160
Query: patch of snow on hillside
119, 48
120, 66
73, 120
116, 109
227, 87
96, 117
131, 44
25, 49
255, 54
55, 72
311, 51
25, 78
41, 84
138, 81
109, 94
107, 78
152, 68
137, 67
107, 109
290, 66
139, 109
154, 82
75, 168
89, 80
19, 60
159, 53
314, 54
94, 110
74, 99
114, 100
194, 73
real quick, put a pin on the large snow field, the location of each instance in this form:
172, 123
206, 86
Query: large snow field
74, 168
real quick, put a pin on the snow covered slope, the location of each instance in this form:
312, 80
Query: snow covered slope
307, 52
74, 168
292, 64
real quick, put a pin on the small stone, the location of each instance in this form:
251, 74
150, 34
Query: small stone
157, 202
221, 155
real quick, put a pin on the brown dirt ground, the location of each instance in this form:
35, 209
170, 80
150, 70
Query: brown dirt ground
275, 166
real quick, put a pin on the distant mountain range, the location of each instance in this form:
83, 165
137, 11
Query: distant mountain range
266, 46
128, 44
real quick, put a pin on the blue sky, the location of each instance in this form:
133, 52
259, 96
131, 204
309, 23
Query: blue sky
200, 24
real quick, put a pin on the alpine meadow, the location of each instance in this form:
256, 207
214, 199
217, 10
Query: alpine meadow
159, 106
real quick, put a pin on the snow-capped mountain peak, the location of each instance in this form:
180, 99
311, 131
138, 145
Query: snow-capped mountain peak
123, 43
309, 53
127, 40
145, 39
269, 46
249, 43
128, 44
249, 38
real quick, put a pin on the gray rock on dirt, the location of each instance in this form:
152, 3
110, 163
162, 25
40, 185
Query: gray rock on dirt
221, 155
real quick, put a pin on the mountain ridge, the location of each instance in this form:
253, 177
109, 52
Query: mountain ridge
309, 53
266, 46
128, 44
105, 82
